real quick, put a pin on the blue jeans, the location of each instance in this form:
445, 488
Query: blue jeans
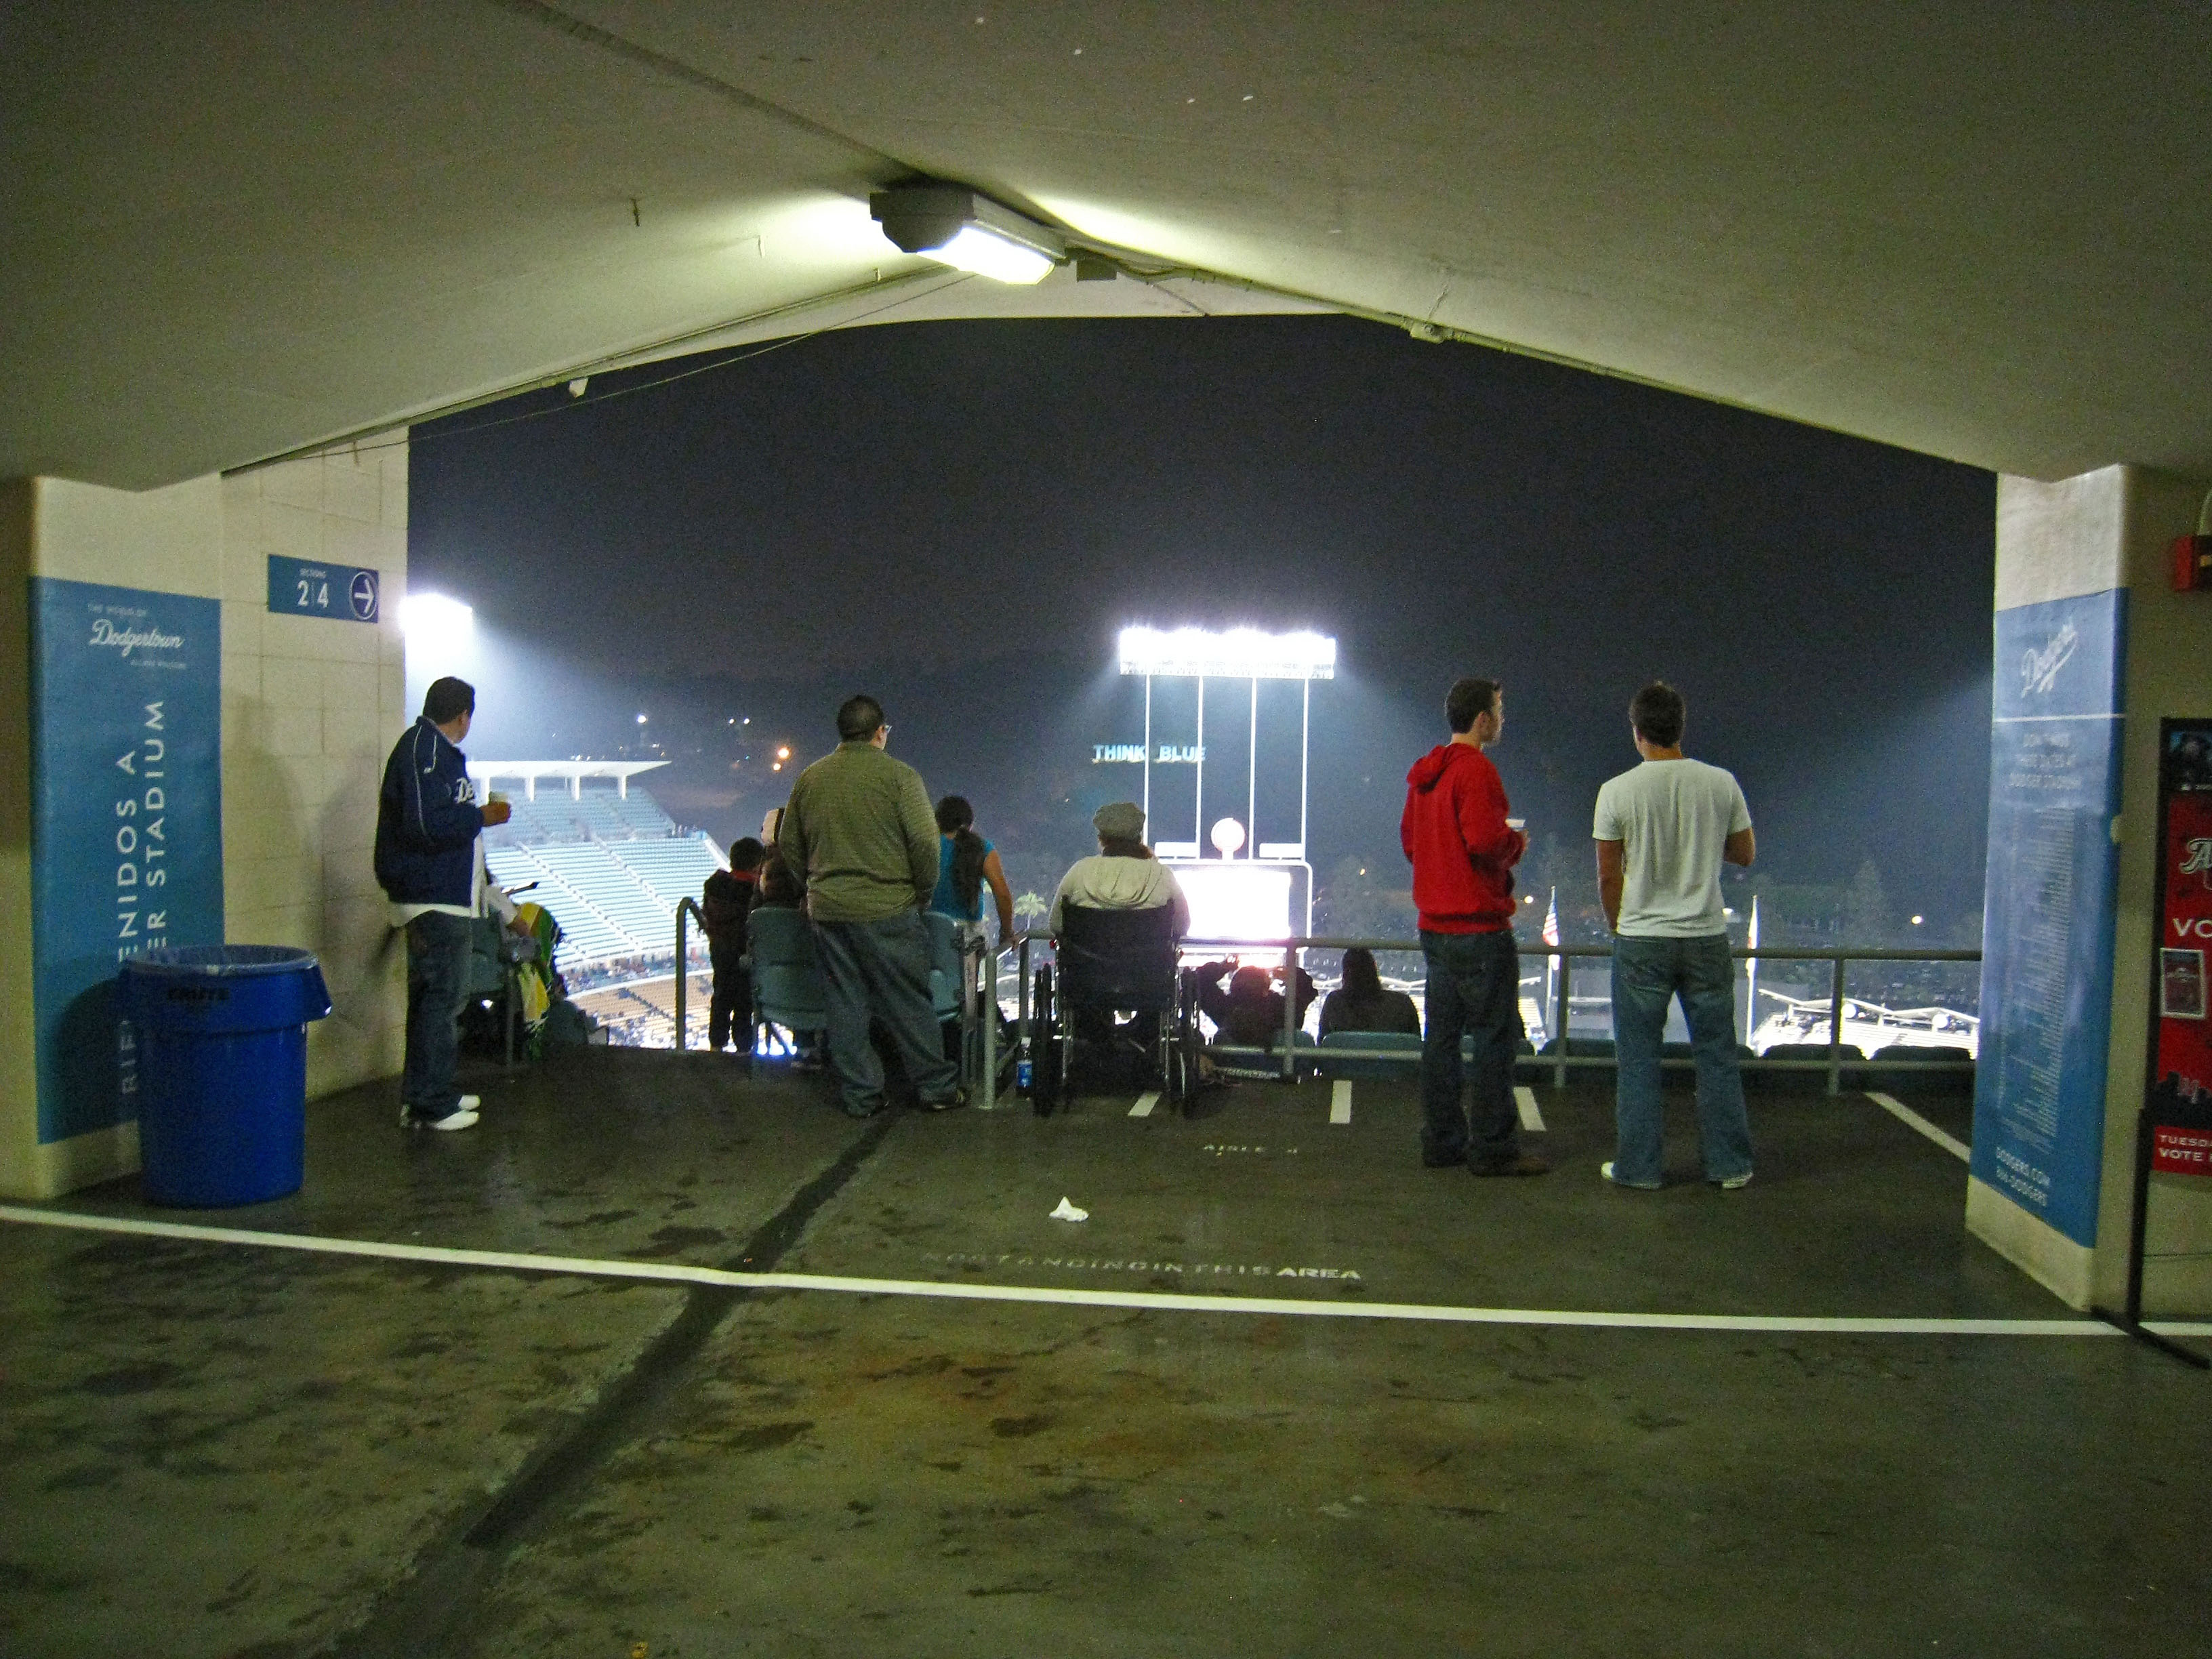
879, 971
1647, 975
1474, 988
437, 985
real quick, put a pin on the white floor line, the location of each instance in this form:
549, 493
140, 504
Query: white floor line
1340, 1100
1146, 1101
1525, 1099
1912, 1120
1163, 1301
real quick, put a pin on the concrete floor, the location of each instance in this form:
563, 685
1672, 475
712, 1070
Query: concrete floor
221, 1449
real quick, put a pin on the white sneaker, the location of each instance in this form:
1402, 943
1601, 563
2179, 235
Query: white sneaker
1606, 1169
471, 1103
461, 1117
1735, 1182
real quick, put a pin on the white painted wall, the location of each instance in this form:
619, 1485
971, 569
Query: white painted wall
308, 708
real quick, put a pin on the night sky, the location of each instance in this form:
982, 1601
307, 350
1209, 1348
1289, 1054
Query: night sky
959, 516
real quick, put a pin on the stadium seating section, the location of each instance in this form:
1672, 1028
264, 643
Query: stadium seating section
611, 870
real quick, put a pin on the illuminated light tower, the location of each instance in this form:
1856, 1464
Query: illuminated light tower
1244, 653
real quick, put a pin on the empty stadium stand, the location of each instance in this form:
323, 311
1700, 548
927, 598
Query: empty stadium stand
611, 865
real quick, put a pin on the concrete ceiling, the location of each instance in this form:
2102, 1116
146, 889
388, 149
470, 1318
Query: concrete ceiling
233, 227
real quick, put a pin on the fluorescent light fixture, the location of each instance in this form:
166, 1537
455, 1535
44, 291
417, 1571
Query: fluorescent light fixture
1240, 654
954, 226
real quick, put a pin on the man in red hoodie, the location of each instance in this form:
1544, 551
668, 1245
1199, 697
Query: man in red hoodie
1463, 851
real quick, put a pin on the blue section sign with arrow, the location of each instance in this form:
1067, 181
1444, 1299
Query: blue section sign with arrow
341, 592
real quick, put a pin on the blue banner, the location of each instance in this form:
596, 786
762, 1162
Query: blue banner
343, 592
126, 822
2047, 932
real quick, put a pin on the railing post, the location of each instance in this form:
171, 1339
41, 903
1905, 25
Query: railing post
1289, 1013
683, 907
988, 1010
1022, 1004
1836, 1029
1559, 1065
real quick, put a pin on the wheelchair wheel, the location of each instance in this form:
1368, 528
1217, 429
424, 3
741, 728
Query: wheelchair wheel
1183, 1045
1045, 1053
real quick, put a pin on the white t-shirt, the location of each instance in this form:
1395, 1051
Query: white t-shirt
1673, 818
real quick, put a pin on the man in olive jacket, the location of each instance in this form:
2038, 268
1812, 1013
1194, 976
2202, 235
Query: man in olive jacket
860, 826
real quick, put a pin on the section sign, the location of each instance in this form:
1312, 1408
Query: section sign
2047, 929
343, 592
126, 822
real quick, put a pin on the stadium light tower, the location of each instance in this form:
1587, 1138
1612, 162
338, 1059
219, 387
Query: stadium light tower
1244, 653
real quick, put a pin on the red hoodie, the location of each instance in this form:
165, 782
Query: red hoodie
1462, 850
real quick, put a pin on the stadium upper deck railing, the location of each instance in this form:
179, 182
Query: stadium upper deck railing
1560, 1060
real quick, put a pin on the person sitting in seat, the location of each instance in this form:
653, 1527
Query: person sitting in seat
1249, 1012
1362, 1004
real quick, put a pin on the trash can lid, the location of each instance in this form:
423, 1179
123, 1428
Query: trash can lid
225, 961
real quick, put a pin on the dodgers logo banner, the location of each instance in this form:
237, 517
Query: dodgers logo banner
126, 822
2053, 881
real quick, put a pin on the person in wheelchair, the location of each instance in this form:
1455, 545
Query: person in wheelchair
1114, 923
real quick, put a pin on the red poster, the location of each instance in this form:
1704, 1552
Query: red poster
2183, 1090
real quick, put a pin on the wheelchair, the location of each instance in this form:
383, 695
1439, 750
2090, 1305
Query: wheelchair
1110, 961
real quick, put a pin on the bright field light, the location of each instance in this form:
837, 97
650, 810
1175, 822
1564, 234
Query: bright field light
1235, 901
433, 616
1241, 653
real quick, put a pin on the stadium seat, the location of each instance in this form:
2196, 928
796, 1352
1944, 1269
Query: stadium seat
1378, 1054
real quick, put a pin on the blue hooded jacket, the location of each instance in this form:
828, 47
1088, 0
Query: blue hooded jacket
427, 822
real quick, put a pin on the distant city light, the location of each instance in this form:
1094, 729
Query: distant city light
783, 753
1239, 654
1916, 920
641, 720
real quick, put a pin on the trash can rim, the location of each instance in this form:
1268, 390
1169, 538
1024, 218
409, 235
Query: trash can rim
221, 961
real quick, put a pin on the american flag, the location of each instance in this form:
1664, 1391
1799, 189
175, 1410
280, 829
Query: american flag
1551, 919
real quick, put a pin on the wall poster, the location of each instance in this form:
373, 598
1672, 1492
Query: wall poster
126, 822
2179, 1101
2047, 932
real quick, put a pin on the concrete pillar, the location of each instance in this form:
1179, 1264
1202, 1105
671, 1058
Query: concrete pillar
2093, 647
303, 707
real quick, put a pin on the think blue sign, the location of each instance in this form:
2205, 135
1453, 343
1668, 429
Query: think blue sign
126, 823
342, 592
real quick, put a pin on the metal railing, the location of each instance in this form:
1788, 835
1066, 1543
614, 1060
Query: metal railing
1560, 1060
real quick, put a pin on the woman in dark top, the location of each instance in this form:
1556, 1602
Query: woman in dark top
1361, 1004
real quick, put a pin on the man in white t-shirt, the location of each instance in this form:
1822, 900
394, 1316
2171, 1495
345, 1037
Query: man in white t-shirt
1661, 832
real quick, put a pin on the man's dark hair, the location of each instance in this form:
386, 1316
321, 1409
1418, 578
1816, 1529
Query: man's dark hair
1468, 699
746, 853
447, 700
1657, 713
859, 717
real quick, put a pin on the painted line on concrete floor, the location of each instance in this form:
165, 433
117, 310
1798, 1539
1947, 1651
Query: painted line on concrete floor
1525, 1099
1340, 1100
1163, 1301
1912, 1120
1146, 1101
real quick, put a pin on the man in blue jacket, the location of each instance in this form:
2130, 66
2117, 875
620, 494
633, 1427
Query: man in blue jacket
430, 867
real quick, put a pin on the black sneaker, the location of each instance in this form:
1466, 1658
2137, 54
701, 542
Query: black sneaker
958, 1097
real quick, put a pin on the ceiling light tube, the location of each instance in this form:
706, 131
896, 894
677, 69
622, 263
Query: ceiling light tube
956, 227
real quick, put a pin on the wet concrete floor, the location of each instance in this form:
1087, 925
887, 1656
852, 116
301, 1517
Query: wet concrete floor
221, 1449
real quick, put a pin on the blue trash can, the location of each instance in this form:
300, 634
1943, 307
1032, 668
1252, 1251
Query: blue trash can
222, 1069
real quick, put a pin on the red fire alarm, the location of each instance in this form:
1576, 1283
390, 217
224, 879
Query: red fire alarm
2192, 555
